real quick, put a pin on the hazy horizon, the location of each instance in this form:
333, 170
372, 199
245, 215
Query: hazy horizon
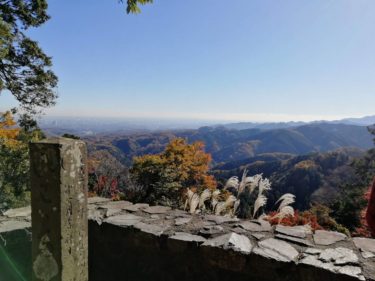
257, 118
193, 120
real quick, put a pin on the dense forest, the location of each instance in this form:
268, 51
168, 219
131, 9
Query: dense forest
329, 179
226, 145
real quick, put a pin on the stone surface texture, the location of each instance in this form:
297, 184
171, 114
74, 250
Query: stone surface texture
325, 238
300, 231
365, 244
277, 249
233, 248
175, 245
19, 212
58, 177
231, 241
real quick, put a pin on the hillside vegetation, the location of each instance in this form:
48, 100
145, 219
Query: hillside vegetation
231, 145
313, 178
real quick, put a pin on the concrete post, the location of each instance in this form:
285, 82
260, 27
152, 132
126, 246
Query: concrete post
58, 179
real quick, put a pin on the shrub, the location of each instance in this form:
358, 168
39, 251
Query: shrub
166, 175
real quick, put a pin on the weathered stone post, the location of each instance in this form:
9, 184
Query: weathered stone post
59, 210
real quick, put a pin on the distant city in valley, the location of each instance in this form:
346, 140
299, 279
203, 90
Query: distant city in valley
86, 126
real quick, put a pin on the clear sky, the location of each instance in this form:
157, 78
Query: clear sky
256, 60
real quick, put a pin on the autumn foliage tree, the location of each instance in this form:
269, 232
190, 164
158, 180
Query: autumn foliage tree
165, 176
105, 175
8, 131
14, 162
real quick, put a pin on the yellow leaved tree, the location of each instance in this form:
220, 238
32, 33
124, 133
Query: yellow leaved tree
165, 176
14, 162
8, 131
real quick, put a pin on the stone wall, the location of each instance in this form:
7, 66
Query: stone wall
137, 242
15, 245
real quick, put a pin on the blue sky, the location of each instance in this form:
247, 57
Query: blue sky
256, 60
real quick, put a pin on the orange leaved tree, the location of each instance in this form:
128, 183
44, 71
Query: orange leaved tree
8, 131
166, 175
14, 162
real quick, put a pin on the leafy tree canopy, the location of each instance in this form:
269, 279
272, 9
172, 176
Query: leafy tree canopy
179, 166
25, 70
347, 209
14, 162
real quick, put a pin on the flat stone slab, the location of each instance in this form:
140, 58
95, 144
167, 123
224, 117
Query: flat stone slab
11, 225
112, 212
238, 230
97, 214
183, 236
256, 226
220, 219
179, 213
156, 210
19, 212
116, 205
313, 251
182, 221
300, 231
339, 256
325, 238
136, 207
233, 241
276, 249
258, 236
313, 260
367, 255
300, 241
351, 270
154, 229
365, 244
339, 260
97, 200
212, 230
124, 220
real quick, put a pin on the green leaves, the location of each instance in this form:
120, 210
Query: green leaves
133, 5
22, 14
25, 70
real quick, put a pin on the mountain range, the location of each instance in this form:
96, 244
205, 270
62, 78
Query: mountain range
363, 121
226, 144
311, 160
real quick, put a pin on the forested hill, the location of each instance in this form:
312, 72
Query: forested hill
316, 177
231, 145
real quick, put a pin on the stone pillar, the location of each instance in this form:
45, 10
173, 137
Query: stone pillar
58, 178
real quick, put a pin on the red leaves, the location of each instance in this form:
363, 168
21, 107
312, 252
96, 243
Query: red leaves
103, 182
302, 218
